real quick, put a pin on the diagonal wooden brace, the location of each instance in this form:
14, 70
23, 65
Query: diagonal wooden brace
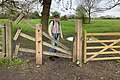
19, 18
103, 50
17, 34
107, 45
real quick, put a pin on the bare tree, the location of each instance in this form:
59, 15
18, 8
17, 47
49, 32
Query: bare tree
45, 13
109, 4
17, 6
92, 6
89, 6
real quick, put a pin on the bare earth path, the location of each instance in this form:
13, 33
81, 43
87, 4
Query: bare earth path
63, 69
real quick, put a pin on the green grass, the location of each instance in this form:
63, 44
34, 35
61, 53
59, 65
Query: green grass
13, 64
68, 27
102, 26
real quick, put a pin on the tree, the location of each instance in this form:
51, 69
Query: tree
55, 13
14, 7
45, 14
81, 13
26, 7
92, 6
46, 4
89, 6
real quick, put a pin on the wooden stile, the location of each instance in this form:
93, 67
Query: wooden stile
39, 51
44, 43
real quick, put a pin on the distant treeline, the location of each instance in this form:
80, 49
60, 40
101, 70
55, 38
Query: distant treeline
6, 15
109, 18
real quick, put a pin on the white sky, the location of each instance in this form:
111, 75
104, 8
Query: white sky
113, 12
54, 7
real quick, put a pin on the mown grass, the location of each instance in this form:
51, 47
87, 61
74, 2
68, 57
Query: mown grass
68, 27
103, 25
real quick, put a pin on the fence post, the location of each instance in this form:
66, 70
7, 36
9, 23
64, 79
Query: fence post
75, 44
39, 51
9, 40
85, 44
79, 40
74, 49
3, 40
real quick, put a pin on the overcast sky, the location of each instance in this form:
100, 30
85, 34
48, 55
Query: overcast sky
61, 8
114, 12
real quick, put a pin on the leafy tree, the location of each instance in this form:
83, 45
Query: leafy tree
88, 7
55, 13
81, 13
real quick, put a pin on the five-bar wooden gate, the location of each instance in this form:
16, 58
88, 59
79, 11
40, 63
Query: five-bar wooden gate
98, 48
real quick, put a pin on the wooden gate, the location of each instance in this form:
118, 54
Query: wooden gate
101, 46
64, 50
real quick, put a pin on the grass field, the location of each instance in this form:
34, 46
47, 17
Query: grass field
68, 28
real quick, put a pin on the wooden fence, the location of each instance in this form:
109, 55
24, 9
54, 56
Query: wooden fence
6, 44
101, 49
64, 50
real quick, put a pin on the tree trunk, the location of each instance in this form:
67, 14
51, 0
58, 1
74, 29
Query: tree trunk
89, 17
45, 14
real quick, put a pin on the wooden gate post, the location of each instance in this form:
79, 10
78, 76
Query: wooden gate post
75, 45
9, 40
85, 44
3, 40
79, 40
39, 51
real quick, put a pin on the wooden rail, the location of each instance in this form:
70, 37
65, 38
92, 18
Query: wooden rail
77, 51
103, 34
90, 56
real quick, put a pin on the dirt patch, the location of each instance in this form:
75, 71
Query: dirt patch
63, 69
